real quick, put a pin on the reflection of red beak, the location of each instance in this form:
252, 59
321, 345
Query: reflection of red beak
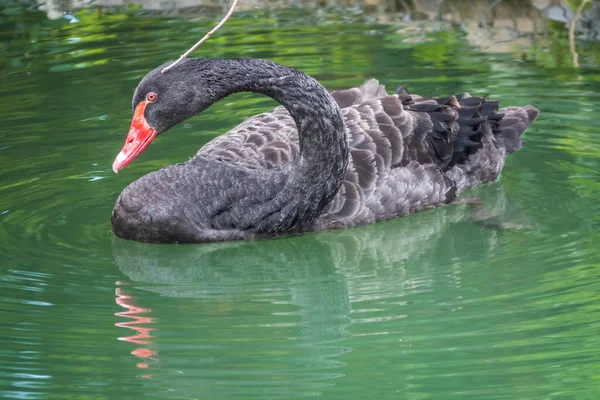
139, 137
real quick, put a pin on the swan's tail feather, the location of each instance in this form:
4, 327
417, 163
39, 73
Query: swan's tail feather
478, 115
512, 126
473, 114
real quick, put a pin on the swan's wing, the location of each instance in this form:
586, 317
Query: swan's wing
397, 157
384, 136
409, 153
369, 91
264, 141
406, 152
270, 139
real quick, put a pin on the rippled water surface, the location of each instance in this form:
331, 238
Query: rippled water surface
497, 301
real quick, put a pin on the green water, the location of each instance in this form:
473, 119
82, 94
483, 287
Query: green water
499, 301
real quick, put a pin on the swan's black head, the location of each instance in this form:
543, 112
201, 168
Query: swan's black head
162, 101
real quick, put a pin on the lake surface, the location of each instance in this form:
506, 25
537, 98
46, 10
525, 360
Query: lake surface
498, 301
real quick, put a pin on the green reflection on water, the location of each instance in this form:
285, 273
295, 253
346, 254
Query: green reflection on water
464, 302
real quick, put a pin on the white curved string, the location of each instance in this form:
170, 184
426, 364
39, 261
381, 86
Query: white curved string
205, 38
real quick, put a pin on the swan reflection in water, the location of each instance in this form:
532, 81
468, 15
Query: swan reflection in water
271, 316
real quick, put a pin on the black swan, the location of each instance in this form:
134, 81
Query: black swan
321, 161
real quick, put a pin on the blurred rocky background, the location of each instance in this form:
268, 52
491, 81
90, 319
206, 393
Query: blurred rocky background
547, 31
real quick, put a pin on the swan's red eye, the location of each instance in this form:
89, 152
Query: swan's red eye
151, 97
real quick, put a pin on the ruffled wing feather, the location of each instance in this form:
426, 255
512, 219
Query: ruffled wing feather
407, 153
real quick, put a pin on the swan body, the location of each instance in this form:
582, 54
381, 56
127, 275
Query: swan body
320, 161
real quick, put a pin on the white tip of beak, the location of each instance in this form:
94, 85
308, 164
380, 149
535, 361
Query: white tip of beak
118, 161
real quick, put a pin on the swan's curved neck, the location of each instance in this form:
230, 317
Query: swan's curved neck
323, 142
318, 171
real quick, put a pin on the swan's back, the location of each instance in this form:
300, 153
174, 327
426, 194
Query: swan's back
407, 153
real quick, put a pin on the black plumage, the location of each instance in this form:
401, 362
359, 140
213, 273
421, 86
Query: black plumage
320, 161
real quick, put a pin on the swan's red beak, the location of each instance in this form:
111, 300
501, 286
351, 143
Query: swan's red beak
139, 137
